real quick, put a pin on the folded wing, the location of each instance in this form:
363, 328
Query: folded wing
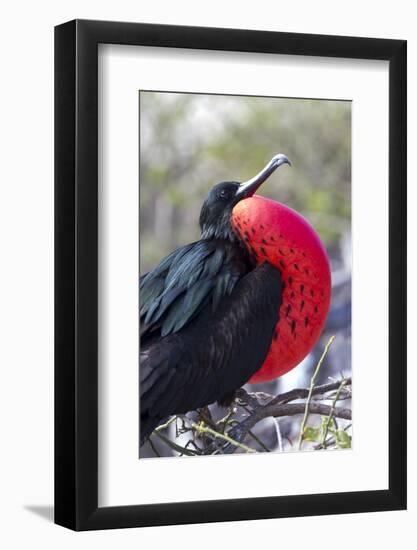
205, 331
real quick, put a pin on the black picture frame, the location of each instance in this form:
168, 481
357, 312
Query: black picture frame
76, 271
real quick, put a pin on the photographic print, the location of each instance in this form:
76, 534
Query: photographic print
245, 275
208, 195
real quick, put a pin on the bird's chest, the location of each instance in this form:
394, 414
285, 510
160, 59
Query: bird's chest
281, 237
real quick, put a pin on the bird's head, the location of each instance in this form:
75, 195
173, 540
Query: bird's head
217, 208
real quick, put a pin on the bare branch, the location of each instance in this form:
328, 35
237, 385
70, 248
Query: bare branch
201, 428
302, 393
239, 432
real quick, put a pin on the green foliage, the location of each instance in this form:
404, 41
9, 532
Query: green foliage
312, 434
343, 440
337, 438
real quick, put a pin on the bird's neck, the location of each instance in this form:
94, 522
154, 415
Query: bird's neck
233, 246
225, 235
216, 230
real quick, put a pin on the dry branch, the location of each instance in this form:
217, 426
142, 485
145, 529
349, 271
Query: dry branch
277, 409
233, 433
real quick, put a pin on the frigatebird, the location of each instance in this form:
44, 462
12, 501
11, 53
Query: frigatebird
246, 302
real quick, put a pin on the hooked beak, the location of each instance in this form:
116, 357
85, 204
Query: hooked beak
249, 188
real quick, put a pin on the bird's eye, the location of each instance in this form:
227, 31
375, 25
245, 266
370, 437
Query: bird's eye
224, 194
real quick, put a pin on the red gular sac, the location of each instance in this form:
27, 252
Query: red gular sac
275, 233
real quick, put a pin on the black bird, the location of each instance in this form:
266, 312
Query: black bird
207, 314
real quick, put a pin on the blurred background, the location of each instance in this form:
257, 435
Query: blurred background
189, 142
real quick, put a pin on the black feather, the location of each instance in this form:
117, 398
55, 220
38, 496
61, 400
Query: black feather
183, 283
209, 358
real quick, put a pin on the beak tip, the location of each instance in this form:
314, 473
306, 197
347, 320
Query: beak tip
248, 188
282, 159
